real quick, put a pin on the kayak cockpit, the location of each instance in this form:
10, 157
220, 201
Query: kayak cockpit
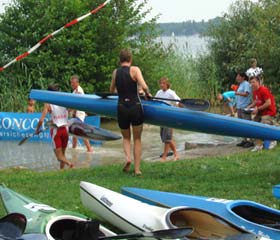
256, 214
205, 224
71, 228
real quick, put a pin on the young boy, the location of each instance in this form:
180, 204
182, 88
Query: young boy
166, 134
30, 105
229, 100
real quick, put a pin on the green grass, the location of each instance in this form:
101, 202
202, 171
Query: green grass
244, 176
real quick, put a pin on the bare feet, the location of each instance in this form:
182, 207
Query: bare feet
71, 165
90, 150
126, 167
163, 160
62, 164
176, 157
138, 174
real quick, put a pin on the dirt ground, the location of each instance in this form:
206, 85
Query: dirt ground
203, 150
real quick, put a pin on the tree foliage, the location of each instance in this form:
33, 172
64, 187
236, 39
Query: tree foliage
249, 30
89, 48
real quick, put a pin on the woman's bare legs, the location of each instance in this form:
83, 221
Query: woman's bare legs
126, 147
137, 148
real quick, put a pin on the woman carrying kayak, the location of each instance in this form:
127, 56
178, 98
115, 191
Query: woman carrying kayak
125, 81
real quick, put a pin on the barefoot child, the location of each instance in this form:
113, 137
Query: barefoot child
166, 134
229, 101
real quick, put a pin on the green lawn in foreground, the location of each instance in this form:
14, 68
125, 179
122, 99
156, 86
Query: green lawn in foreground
244, 176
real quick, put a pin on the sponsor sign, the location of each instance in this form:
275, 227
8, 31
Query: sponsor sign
16, 126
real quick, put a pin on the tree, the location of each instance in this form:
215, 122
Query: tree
89, 49
249, 30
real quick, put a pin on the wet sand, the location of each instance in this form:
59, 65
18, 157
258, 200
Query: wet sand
40, 156
214, 150
207, 150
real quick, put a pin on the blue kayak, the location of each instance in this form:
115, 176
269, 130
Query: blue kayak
252, 216
276, 191
162, 114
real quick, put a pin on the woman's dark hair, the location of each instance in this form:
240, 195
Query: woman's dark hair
53, 87
125, 55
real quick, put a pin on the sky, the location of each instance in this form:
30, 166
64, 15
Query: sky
184, 10
180, 10
2, 4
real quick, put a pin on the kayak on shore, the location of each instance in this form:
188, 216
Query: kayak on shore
131, 215
249, 215
12, 227
43, 219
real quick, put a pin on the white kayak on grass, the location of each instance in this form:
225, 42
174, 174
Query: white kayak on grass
132, 216
123, 212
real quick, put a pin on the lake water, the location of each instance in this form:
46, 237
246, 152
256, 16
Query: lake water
193, 45
40, 156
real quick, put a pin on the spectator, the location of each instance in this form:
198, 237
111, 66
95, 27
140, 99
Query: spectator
30, 105
264, 108
229, 101
166, 134
254, 70
243, 97
79, 115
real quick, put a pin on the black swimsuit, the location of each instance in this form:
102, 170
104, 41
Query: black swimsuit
130, 110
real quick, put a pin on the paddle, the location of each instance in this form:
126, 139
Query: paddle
166, 233
30, 136
190, 103
48, 124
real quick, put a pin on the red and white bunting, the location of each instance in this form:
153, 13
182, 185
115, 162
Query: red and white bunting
32, 49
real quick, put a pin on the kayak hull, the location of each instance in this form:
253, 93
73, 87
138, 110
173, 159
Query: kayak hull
107, 205
41, 218
161, 114
276, 191
83, 130
131, 215
246, 214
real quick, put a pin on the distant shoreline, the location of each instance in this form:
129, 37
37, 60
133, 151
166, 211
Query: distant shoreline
188, 28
